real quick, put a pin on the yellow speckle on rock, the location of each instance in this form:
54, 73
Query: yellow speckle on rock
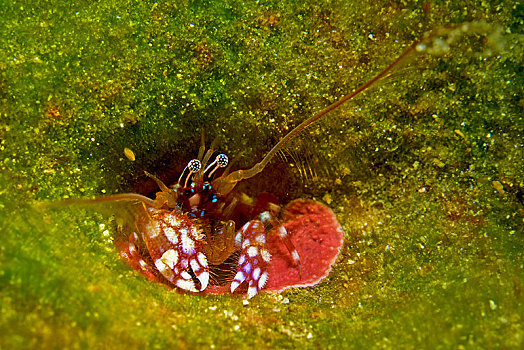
439, 163
459, 133
327, 198
498, 187
129, 154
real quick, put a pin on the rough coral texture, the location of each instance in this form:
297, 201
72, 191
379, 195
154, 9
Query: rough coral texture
318, 239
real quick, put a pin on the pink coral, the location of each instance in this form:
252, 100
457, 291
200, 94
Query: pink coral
318, 238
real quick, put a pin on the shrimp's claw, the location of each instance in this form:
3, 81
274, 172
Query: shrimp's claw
175, 245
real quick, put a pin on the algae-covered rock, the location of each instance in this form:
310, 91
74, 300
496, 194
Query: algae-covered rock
423, 170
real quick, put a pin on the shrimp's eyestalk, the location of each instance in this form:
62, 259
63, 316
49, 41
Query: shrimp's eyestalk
191, 168
220, 161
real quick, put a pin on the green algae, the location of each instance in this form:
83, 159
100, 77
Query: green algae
434, 246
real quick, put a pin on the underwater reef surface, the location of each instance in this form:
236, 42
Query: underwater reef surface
424, 170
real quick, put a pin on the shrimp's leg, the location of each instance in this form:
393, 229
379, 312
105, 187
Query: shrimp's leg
130, 251
269, 212
269, 221
254, 258
222, 245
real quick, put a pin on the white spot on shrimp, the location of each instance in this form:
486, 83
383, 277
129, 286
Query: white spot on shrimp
132, 248
196, 233
240, 277
202, 259
251, 292
234, 285
187, 285
170, 258
244, 228
263, 280
261, 238
153, 230
282, 232
238, 239
241, 259
172, 220
247, 268
188, 245
194, 265
265, 217
252, 251
266, 256
164, 270
143, 264
256, 273
295, 256
160, 265
171, 235
204, 280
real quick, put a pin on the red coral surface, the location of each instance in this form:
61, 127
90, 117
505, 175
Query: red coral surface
318, 238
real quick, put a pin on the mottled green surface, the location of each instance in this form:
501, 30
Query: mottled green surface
426, 170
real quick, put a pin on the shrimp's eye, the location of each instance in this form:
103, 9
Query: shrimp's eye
222, 160
194, 165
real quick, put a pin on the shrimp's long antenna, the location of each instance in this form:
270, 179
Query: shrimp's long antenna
431, 42
226, 184
133, 197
